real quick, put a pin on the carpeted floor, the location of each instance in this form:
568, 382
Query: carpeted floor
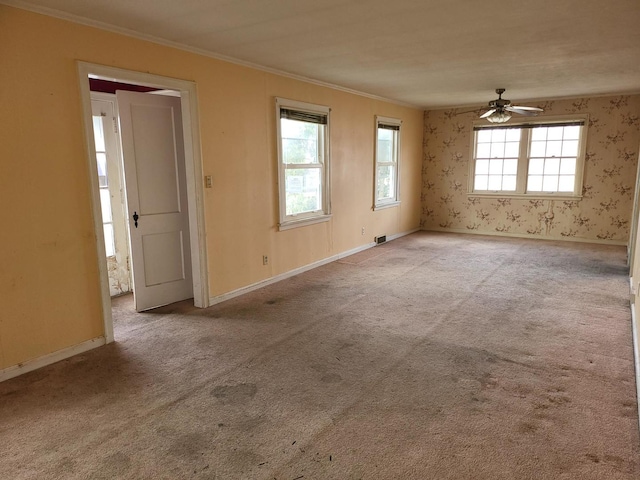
434, 356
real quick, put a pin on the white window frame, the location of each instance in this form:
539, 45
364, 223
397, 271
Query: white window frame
380, 203
307, 218
523, 159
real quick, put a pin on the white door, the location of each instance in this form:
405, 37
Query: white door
154, 170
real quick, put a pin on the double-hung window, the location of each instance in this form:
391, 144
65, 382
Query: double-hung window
303, 163
541, 158
387, 153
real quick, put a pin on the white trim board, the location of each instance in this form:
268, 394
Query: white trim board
531, 237
636, 354
299, 270
34, 364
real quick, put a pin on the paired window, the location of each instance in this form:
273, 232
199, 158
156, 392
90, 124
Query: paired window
535, 158
303, 162
387, 161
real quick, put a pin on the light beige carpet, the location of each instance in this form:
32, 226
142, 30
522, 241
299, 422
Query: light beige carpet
435, 356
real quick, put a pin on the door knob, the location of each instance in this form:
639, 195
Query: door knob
135, 219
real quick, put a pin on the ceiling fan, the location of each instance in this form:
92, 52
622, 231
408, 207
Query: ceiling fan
500, 109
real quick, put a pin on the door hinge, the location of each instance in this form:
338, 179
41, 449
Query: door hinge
115, 125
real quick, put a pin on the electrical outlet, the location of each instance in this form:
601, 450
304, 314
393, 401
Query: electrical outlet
265, 260
362, 230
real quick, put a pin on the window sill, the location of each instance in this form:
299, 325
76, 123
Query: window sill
289, 224
528, 196
382, 206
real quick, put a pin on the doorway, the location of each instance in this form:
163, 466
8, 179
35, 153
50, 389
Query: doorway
192, 234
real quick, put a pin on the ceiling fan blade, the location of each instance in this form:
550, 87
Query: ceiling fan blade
526, 113
487, 113
468, 111
533, 109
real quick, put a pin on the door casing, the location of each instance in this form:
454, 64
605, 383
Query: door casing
194, 174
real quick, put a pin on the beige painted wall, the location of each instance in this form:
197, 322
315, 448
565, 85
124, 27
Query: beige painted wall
49, 276
603, 213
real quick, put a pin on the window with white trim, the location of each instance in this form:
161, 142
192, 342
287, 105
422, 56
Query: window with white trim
544, 158
387, 181
303, 163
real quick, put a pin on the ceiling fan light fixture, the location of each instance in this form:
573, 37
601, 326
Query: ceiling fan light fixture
499, 116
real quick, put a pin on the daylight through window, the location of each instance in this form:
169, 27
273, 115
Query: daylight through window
529, 159
303, 162
387, 160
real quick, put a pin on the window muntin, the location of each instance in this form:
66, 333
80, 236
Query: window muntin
544, 158
303, 162
387, 160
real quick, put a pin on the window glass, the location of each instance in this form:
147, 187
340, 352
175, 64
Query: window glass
103, 182
387, 154
548, 157
303, 190
303, 160
299, 142
501, 147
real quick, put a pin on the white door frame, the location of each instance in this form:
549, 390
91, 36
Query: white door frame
194, 173
631, 247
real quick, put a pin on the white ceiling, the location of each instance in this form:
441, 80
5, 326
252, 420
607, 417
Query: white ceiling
428, 53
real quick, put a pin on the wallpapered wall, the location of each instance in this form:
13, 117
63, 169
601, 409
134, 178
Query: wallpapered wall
603, 212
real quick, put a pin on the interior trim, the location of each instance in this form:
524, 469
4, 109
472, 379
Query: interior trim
636, 354
51, 12
34, 364
524, 235
283, 276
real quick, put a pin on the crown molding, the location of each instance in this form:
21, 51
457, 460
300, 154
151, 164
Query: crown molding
198, 51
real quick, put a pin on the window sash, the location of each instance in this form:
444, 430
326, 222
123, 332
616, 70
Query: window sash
301, 191
393, 125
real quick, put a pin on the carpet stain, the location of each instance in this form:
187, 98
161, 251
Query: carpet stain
558, 399
116, 462
331, 378
189, 445
527, 427
629, 409
206, 340
244, 457
231, 394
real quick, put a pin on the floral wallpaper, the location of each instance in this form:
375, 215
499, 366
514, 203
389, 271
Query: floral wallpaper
603, 212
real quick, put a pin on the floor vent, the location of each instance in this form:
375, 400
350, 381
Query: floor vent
380, 239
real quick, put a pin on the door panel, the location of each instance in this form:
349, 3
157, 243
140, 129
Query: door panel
156, 158
172, 268
153, 151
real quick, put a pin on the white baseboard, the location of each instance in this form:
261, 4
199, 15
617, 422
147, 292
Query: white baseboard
34, 364
299, 270
636, 354
526, 235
